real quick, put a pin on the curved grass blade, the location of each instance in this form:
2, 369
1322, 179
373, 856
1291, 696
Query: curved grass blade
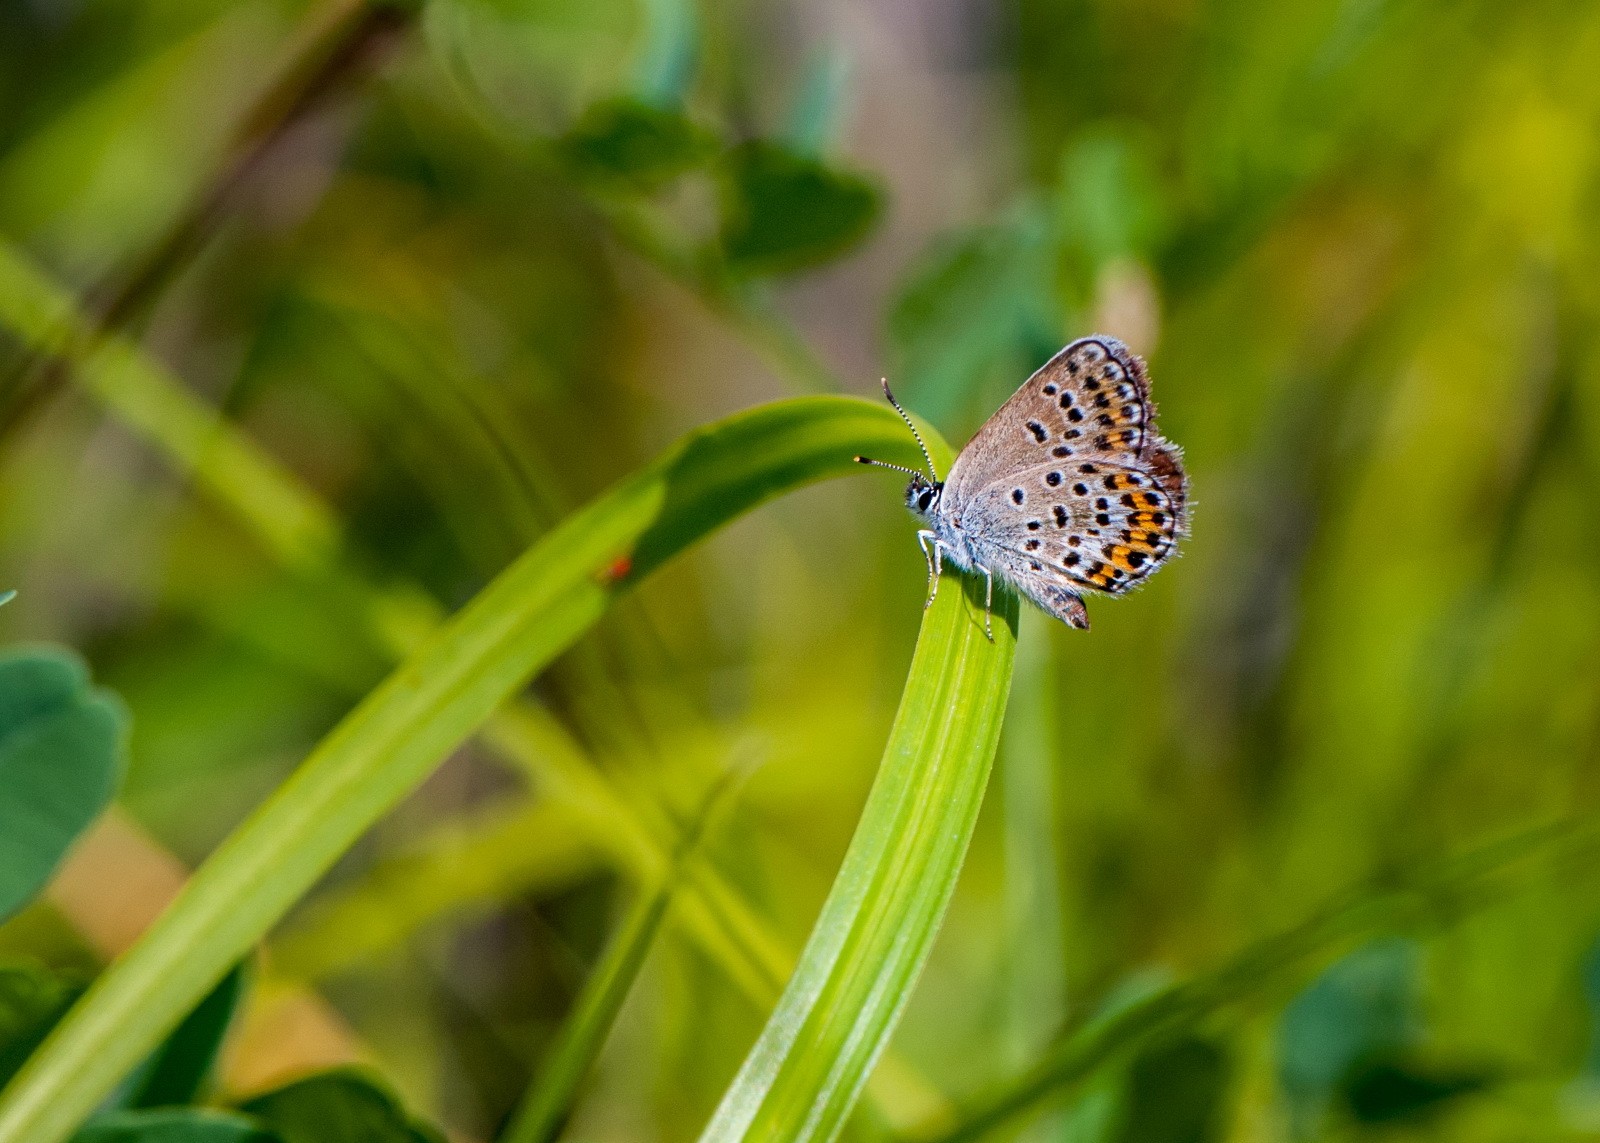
381, 751
302, 534
877, 926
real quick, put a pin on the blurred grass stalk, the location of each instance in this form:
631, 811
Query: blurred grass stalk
549, 1101
1036, 1002
395, 738
1436, 893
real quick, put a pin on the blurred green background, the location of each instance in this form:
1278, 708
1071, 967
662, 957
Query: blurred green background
457, 267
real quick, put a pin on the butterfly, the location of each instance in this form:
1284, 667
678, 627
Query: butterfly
1067, 489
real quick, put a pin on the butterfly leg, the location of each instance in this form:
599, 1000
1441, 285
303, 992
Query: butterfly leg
929, 543
988, 601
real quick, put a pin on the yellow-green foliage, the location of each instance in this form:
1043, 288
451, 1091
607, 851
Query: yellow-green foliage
400, 406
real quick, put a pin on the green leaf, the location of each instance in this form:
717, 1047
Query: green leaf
7, 596
173, 1125
783, 211
518, 63
32, 1000
626, 142
60, 760
395, 738
1110, 204
1175, 1093
867, 949
178, 1071
339, 1106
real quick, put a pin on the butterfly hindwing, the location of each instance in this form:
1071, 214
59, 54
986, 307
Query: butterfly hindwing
1098, 524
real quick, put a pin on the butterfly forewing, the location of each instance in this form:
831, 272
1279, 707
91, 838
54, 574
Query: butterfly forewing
1091, 398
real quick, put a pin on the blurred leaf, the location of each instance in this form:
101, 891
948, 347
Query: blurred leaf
635, 144
60, 759
672, 48
177, 1073
7, 596
815, 119
973, 300
784, 211
869, 945
1110, 204
527, 64
173, 1125
340, 1106
1175, 1094
1390, 1090
1363, 1006
395, 738
32, 1000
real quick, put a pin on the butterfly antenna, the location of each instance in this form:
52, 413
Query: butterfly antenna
859, 460
904, 416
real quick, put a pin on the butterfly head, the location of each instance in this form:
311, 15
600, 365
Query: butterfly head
922, 495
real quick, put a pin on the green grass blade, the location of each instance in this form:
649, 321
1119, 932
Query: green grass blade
1035, 945
548, 1103
302, 534
180, 1071
868, 947
403, 729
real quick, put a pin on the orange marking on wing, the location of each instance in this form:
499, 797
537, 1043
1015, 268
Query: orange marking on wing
1137, 559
